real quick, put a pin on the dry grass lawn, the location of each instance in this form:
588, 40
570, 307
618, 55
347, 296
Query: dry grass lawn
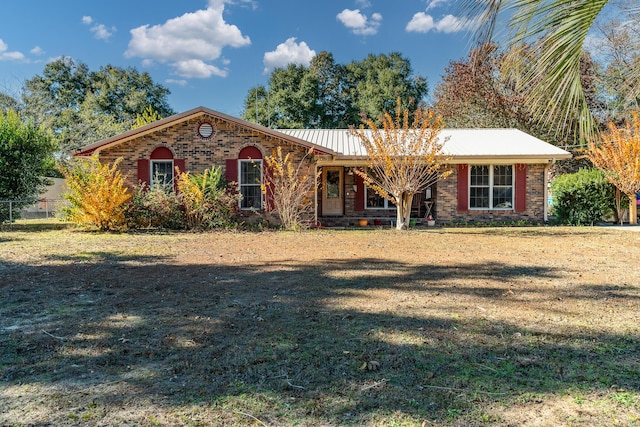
485, 326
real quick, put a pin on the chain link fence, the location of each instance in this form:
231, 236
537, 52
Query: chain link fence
10, 210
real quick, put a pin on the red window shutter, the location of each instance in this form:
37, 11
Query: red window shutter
359, 200
463, 188
178, 166
231, 170
521, 187
143, 171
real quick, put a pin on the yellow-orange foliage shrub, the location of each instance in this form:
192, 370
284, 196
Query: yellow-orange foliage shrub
290, 187
96, 193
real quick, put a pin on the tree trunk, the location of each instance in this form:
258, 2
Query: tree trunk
633, 209
619, 210
404, 211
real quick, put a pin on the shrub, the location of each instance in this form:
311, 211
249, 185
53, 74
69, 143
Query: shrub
207, 203
155, 207
582, 198
26, 156
291, 188
96, 194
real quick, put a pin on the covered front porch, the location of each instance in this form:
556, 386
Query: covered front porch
343, 199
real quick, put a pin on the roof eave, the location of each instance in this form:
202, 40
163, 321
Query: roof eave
96, 147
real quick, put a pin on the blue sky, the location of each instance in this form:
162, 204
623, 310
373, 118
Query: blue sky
211, 52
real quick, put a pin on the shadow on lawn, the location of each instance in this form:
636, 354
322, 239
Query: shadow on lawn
278, 341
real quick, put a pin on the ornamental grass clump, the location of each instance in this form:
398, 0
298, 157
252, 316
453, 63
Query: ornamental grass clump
206, 201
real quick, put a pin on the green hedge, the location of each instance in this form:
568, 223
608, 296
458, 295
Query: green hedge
583, 198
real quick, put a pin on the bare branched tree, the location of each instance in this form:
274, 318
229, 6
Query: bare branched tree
290, 188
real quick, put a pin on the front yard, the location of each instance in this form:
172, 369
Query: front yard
478, 326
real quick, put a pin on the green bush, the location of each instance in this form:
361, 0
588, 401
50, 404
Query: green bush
202, 202
583, 198
206, 201
157, 206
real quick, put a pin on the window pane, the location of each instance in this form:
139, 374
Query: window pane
251, 196
333, 184
479, 197
502, 197
250, 181
250, 172
162, 173
502, 175
479, 175
374, 200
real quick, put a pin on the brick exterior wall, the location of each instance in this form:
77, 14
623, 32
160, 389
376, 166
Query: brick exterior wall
199, 154
447, 201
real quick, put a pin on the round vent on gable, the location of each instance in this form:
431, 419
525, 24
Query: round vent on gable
206, 130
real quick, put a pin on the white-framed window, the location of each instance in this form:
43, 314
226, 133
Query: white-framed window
491, 187
375, 201
250, 181
161, 173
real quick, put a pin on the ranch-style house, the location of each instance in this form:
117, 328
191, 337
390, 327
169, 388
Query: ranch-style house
498, 174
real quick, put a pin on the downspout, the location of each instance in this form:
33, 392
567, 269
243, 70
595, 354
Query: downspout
546, 190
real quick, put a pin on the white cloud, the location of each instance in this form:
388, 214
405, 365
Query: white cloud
287, 53
358, 22
189, 42
196, 68
435, 3
423, 23
100, 31
37, 51
179, 82
5, 55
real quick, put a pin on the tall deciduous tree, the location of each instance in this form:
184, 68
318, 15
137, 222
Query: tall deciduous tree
8, 102
26, 154
476, 93
149, 115
377, 82
618, 155
82, 106
618, 46
329, 95
404, 156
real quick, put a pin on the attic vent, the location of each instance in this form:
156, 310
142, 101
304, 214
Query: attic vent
205, 130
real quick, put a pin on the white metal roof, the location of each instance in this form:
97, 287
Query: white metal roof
458, 143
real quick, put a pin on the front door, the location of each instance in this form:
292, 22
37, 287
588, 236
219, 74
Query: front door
332, 191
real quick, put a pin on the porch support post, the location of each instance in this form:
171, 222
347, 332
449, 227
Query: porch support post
315, 194
545, 204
